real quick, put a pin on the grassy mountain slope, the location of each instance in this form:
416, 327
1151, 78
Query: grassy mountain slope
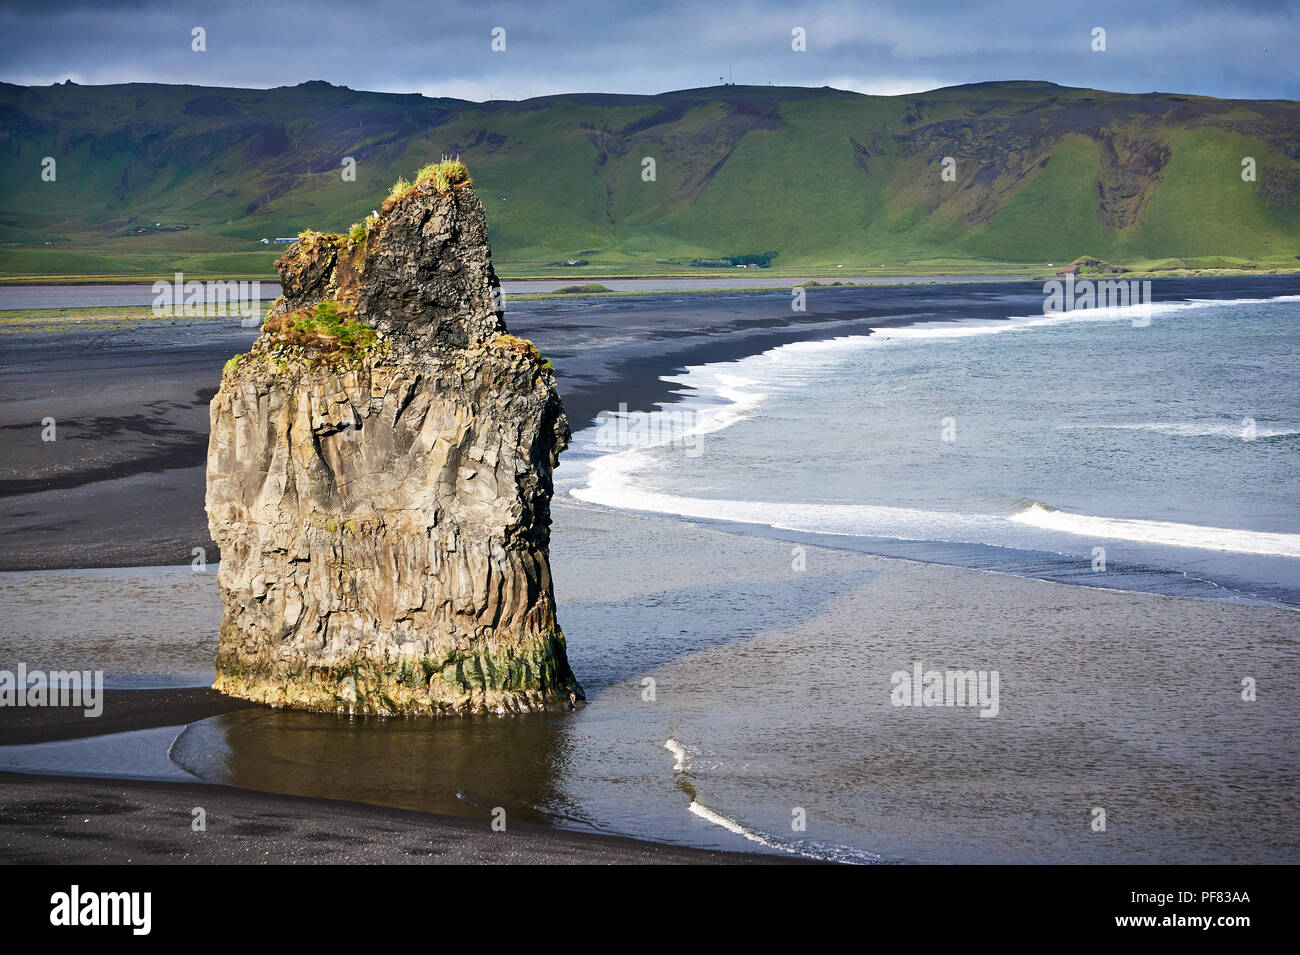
819, 176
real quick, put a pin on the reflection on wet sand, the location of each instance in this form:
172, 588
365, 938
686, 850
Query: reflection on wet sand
465, 766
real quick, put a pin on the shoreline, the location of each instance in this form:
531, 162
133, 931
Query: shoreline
615, 351
114, 821
608, 352
522, 290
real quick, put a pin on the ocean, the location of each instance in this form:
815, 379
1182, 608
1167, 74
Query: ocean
1087, 447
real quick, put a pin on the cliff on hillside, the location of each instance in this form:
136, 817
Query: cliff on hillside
379, 478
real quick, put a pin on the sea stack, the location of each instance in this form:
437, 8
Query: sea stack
379, 478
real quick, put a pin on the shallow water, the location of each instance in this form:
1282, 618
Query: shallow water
138, 754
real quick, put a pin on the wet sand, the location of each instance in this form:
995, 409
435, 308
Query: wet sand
69, 821
124, 711
776, 683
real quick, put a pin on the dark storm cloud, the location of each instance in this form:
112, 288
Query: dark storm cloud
1240, 49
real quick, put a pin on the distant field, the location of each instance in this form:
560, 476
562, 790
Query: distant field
110, 267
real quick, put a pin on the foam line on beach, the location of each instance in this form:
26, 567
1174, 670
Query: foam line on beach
822, 853
1160, 532
923, 331
718, 819
610, 483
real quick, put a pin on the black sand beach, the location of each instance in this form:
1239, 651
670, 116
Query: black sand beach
124, 711
123, 487
70, 821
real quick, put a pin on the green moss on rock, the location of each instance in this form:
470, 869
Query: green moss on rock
532, 678
326, 331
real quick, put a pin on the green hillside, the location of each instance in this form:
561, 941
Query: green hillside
152, 179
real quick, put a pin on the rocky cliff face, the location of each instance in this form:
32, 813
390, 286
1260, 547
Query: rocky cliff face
379, 481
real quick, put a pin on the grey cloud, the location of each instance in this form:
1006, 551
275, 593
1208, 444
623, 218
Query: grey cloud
642, 47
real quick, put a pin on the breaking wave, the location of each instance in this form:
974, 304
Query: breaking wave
1160, 532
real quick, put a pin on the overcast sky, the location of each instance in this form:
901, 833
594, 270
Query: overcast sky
1231, 48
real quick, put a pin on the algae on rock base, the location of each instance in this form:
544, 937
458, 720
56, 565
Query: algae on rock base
535, 677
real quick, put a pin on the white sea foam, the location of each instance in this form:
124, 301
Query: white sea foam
679, 752
1160, 532
1187, 429
718, 819
941, 330
835, 853
610, 484
824, 852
